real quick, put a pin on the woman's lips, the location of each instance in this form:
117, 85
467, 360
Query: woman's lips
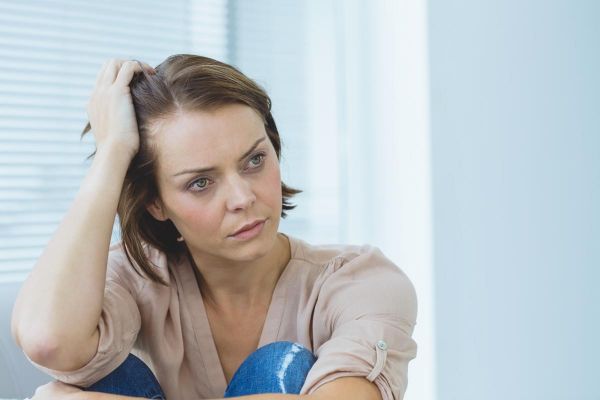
251, 232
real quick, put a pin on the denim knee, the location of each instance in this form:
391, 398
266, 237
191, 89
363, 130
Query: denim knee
278, 367
131, 378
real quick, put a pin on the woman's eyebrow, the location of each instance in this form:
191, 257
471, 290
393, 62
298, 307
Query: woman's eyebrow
210, 169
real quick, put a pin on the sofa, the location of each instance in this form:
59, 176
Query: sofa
18, 378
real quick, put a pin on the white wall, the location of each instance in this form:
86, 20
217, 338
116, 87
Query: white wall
516, 168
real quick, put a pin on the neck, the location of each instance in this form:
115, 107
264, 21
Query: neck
237, 288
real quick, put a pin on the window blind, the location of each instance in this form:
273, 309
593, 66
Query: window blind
52, 52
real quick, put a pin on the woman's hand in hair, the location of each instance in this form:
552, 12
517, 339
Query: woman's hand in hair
110, 108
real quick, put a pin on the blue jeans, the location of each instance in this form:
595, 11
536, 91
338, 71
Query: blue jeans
279, 367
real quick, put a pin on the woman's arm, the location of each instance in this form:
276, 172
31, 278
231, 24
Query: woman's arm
56, 314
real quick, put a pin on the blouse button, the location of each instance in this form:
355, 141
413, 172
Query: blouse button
382, 345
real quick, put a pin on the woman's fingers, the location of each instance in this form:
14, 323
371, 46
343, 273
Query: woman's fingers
126, 72
111, 69
149, 68
110, 73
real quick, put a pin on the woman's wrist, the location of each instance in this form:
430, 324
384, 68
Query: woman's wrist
115, 152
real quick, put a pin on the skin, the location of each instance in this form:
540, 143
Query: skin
207, 208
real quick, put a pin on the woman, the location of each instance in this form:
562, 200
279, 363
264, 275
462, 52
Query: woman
203, 297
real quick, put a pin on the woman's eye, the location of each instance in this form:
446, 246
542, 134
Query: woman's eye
199, 184
257, 160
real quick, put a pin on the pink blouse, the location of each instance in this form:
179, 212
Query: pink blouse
348, 304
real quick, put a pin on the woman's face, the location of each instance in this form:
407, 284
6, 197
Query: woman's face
218, 171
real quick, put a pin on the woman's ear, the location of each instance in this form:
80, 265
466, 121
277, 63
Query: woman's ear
156, 209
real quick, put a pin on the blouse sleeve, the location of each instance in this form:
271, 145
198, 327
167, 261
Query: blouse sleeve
119, 325
363, 322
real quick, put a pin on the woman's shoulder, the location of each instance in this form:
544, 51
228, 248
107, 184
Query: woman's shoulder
356, 259
121, 268
358, 277
116, 252
319, 254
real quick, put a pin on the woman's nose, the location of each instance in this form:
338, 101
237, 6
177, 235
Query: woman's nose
239, 194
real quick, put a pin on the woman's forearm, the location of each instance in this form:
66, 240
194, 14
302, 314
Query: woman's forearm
56, 314
97, 396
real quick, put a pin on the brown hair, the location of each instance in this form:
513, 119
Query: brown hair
183, 82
